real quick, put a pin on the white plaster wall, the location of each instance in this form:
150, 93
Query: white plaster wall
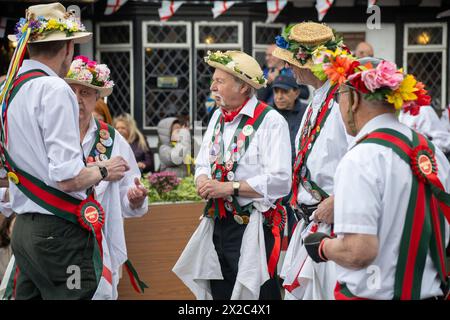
382, 40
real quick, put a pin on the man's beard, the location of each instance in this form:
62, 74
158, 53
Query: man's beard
221, 103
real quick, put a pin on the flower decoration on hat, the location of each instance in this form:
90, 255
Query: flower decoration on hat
384, 82
228, 62
90, 72
41, 26
303, 52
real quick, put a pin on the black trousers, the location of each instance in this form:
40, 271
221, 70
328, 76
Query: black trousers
227, 240
54, 257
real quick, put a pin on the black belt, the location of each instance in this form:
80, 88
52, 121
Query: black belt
305, 211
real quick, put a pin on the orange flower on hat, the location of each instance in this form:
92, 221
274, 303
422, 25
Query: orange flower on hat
337, 69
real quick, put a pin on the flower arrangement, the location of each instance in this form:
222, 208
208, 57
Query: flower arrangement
164, 182
40, 26
90, 72
224, 59
184, 190
383, 82
303, 52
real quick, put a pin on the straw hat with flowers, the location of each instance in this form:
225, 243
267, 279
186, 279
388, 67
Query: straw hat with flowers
238, 64
90, 74
50, 22
303, 44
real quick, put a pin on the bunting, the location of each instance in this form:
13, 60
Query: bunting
274, 8
322, 7
113, 5
168, 9
220, 7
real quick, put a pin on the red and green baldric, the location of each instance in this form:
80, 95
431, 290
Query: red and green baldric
309, 135
87, 213
428, 207
223, 168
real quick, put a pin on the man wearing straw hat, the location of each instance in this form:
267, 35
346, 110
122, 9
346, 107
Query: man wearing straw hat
123, 199
243, 169
320, 144
392, 207
58, 226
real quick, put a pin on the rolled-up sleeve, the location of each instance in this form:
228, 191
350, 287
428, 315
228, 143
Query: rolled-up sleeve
202, 165
274, 150
61, 133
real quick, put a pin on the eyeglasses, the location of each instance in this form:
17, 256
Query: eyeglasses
338, 93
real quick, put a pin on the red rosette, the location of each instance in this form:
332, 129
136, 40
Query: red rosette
423, 163
90, 214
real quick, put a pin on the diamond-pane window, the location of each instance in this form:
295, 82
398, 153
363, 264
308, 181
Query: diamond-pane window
210, 34
114, 34
427, 68
166, 33
266, 34
204, 77
119, 63
425, 36
163, 102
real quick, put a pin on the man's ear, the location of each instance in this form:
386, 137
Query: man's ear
70, 47
355, 100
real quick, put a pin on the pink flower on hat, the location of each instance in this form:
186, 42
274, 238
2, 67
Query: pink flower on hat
384, 75
388, 75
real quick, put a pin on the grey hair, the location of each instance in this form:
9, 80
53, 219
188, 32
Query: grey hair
250, 90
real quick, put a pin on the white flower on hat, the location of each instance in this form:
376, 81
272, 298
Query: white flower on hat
84, 75
231, 65
102, 72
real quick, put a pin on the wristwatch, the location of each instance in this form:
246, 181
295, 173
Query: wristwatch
103, 172
236, 186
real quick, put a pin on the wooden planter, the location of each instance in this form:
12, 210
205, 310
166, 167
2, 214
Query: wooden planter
154, 244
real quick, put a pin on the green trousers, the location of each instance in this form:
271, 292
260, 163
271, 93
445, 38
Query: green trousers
54, 257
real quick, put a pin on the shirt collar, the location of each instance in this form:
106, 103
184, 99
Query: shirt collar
249, 108
29, 64
320, 94
91, 130
382, 121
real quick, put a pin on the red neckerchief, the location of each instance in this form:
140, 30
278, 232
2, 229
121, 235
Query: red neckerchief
229, 116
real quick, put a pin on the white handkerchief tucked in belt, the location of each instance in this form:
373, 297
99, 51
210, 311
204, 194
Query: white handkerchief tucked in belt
199, 262
318, 279
253, 271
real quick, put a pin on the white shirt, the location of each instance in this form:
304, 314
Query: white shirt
427, 123
372, 191
266, 164
445, 120
43, 135
114, 200
328, 149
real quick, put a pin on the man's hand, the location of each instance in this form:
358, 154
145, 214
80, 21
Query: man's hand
141, 165
313, 244
136, 194
116, 166
212, 189
325, 211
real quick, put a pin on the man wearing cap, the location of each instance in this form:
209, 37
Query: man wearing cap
320, 144
242, 169
391, 210
287, 102
122, 199
50, 187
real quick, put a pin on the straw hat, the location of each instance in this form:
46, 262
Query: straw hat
90, 74
53, 17
238, 64
309, 35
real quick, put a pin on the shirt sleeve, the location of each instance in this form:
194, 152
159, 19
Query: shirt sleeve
430, 126
128, 180
61, 132
357, 196
275, 156
202, 165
